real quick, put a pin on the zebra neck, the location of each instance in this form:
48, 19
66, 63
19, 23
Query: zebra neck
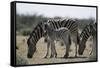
84, 39
36, 34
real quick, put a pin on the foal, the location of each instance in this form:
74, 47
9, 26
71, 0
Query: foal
57, 34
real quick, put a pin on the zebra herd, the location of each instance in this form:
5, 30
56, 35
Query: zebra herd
61, 29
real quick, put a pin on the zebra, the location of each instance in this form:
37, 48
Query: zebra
89, 30
57, 34
35, 35
71, 25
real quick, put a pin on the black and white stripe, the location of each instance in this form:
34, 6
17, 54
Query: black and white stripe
57, 34
36, 34
70, 24
89, 30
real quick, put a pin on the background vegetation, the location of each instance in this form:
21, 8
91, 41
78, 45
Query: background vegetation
25, 23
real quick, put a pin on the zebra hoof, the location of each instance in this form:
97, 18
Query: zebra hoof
75, 55
55, 56
51, 56
65, 56
45, 57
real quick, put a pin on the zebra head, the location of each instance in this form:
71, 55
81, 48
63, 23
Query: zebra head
31, 48
81, 47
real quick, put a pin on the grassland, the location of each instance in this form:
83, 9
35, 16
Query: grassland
38, 57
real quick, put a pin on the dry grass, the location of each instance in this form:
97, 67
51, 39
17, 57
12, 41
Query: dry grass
38, 57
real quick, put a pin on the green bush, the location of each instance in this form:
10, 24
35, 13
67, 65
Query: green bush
26, 32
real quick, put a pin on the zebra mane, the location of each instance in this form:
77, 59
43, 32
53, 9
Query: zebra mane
84, 30
89, 30
37, 33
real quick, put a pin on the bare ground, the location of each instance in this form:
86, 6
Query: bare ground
38, 57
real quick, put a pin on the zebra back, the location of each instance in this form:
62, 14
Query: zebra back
71, 24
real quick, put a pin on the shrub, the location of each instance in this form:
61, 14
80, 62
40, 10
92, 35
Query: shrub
26, 33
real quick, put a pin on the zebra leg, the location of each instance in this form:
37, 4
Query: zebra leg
48, 46
52, 49
55, 53
75, 41
93, 55
45, 37
67, 51
67, 44
75, 49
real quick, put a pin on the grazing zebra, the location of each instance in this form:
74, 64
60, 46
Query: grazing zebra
36, 34
71, 25
57, 34
89, 30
